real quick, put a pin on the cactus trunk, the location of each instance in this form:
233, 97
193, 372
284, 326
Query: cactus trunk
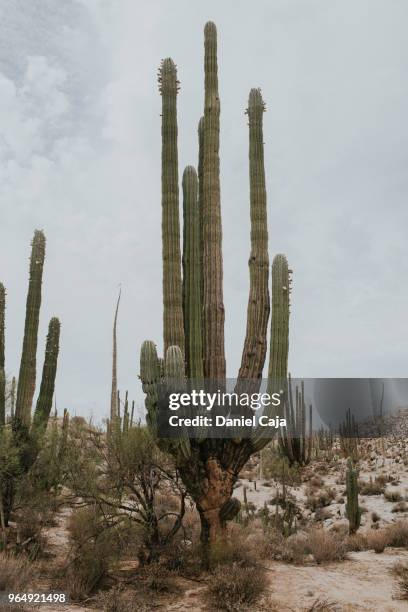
172, 291
27, 375
353, 511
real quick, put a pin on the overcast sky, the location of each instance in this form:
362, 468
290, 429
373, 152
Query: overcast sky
80, 158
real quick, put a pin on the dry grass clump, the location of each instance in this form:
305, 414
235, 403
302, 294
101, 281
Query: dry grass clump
355, 542
322, 605
400, 506
400, 571
236, 589
16, 573
377, 539
116, 600
372, 487
320, 498
325, 546
398, 534
392, 496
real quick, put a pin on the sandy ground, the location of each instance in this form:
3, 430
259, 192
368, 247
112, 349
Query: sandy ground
362, 582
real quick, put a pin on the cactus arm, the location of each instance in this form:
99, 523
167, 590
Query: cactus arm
192, 276
2, 356
27, 376
213, 304
44, 402
172, 288
279, 348
254, 351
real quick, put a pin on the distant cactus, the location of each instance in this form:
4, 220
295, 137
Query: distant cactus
348, 432
114, 389
194, 342
296, 439
353, 511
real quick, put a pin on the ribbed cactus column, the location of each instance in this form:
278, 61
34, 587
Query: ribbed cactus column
44, 402
201, 206
150, 376
192, 275
254, 352
2, 357
172, 291
213, 304
353, 511
278, 359
26, 379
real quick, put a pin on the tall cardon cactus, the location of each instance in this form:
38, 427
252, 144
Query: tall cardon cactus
193, 308
28, 432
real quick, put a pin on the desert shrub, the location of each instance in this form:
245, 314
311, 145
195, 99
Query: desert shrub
377, 540
371, 487
238, 588
398, 534
322, 514
277, 467
325, 546
158, 579
294, 549
95, 547
322, 605
235, 551
355, 542
375, 517
400, 506
128, 475
16, 573
316, 482
400, 571
116, 600
319, 499
392, 496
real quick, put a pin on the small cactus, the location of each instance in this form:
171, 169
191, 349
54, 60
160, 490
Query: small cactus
353, 511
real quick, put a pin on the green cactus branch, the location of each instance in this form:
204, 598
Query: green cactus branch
44, 402
254, 352
27, 375
192, 276
173, 330
213, 303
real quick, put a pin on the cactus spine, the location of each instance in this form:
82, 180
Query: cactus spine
353, 511
2, 364
172, 293
192, 276
213, 304
253, 356
27, 376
